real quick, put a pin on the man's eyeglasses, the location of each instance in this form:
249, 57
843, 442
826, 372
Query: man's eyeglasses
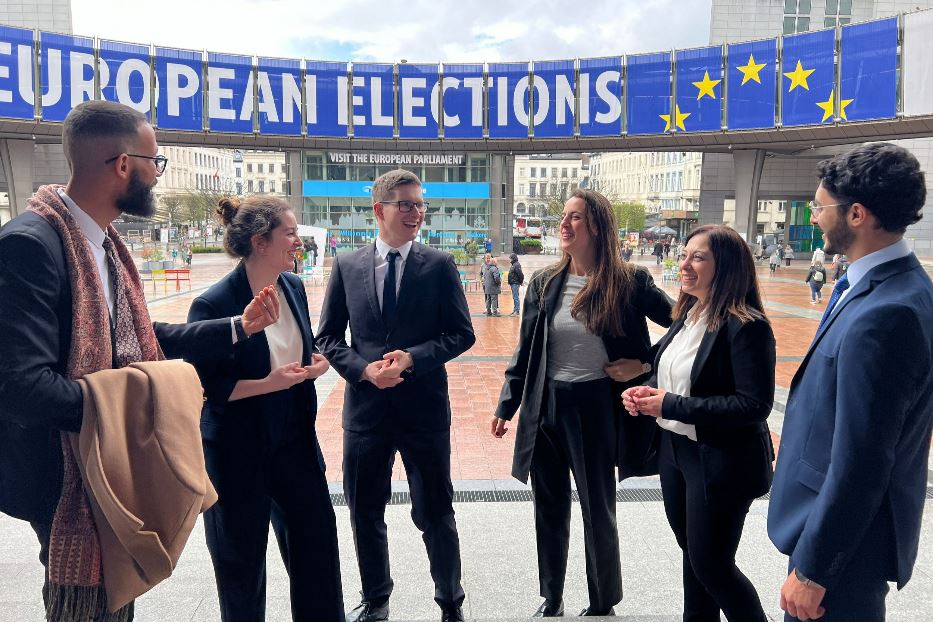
816, 209
407, 206
160, 160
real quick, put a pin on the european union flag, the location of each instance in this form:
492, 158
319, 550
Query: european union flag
648, 94
699, 89
868, 71
808, 85
750, 87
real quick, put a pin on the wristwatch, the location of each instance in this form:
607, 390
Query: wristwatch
238, 327
806, 581
646, 368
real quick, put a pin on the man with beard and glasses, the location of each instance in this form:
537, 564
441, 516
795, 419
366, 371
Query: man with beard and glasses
856, 436
64, 275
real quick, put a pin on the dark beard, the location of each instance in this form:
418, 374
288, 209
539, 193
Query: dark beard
138, 199
839, 238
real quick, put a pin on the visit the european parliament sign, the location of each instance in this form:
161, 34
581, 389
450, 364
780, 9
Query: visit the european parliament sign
789, 81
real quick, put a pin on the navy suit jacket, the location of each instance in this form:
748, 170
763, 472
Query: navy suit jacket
37, 400
252, 418
857, 427
432, 324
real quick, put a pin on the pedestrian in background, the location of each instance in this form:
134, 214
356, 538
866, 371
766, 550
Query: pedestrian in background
333, 245
788, 254
774, 260
658, 252
816, 277
516, 279
818, 256
492, 284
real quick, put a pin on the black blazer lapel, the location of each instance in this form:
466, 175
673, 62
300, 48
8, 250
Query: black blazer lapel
367, 268
552, 294
706, 346
411, 279
293, 299
666, 340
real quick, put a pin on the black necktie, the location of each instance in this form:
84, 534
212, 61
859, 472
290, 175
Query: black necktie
389, 301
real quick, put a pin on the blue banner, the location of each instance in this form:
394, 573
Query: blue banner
553, 99
463, 100
809, 78
648, 94
229, 93
751, 91
180, 96
508, 100
67, 77
326, 87
125, 75
278, 87
601, 96
17, 93
372, 101
699, 88
418, 101
430, 190
868, 71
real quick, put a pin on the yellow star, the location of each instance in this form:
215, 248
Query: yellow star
706, 86
827, 107
798, 77
842, 108
678, 120
751, 70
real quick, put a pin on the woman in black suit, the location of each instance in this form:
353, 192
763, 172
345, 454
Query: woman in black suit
711, 394
583, 334
260, 446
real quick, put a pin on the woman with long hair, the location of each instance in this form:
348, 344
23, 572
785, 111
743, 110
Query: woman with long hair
260, 446
583, 338
711, 394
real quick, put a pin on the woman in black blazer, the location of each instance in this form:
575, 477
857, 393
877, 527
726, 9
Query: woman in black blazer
712, 393
583, 335
260, 446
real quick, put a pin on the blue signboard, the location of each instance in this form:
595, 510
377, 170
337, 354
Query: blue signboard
67, 77
326, 88
808, 84
229, 93
418, 101
699, 88
868, 71
553, 98
17, 94
750, 103
125, 75
648, 95
463, 101
508, 100
601, 96
430, 190
372, 101
278, 89
180, 100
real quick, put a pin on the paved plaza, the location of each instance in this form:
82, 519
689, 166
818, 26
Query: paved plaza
494, 512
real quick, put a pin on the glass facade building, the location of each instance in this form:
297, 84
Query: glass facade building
336, 189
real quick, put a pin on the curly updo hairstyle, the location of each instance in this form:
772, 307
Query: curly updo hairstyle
255, 215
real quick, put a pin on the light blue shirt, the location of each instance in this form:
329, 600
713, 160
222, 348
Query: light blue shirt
862, 266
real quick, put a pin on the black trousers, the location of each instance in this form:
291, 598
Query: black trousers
577, 435
277, 477
368, 458
708, 533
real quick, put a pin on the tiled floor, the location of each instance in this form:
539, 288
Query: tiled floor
476, 377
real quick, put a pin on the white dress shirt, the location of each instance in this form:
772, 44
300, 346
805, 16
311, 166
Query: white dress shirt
95, 237
863, 265
284, 337
676, 365
382, 264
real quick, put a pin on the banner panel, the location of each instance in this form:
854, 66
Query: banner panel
809, 78
67, 76
751, 88
229, 93
463, 100
125, 74
372, 100
17, 75
326, 98
699, 88
648, 94
418, 101
508, 100
868, 71
180, 95
278, 87
601, 96
916, 68
554, 98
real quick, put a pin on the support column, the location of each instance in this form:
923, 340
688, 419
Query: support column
748, 165
16, 159
294, 193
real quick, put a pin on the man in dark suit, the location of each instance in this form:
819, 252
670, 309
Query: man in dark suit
848, 493
37, 399
408, 316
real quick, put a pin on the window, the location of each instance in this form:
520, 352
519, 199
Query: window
249, 167
838, 11
531, 190
260, 167
574, 173
272, 186
262, 184
797, 16
782, 205
521, 171
249, 185
543, 172
239, 187
534, 171
314, 166
271, 167
478, 171
762, 206
521, 189
239, 172
563, 172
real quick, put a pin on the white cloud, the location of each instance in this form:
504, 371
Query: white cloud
388, 30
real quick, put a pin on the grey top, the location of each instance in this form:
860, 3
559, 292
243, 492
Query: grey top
573, 353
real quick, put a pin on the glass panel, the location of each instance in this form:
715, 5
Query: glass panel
803, 24
832, 7
314, 167
434, 173
363, 172
803, 7
790, 6
845, 20
789, 25
845, 7
456, 173
829, 22
337, 172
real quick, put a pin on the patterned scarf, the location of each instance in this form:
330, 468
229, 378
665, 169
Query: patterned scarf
76, 591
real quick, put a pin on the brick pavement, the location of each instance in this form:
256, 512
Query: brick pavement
476, 376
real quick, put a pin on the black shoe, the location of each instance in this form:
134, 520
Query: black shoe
589, 611
366, 611
549, 609
452, 615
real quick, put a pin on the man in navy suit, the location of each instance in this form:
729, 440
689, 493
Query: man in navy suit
848, 492
408, 316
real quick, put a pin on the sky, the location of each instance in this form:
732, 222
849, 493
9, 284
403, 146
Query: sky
392, 30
